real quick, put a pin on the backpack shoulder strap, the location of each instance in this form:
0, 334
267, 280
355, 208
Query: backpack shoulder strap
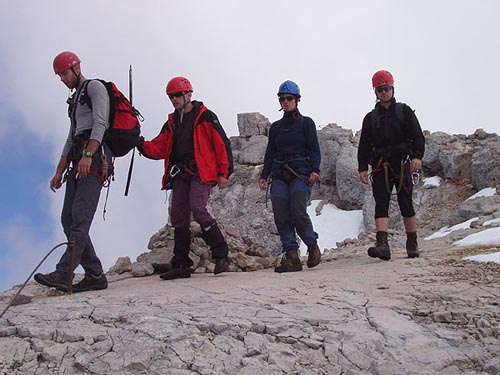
405, 122
374, 118
84, 96
399, 112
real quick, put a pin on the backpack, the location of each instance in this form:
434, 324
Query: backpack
404, 147
124, 128
399, 115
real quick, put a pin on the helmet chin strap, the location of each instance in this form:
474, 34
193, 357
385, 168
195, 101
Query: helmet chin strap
78, 78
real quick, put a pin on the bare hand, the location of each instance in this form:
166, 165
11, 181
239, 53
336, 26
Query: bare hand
222, 182
84, 166
262, 184
313, 178
363, 176
55, 182
415, 165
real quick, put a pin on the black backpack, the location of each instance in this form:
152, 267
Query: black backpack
399, 114
404, 147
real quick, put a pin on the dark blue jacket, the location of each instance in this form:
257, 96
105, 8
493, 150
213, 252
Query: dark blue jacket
293, 141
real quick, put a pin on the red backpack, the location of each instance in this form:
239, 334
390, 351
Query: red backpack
124, 127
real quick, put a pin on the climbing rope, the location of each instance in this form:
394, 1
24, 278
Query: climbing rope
29, 277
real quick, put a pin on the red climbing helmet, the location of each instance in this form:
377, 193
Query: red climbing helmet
382, 78
64, 61
178, 84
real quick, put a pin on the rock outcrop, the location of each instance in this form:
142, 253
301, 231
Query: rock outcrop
246, 217
438, 314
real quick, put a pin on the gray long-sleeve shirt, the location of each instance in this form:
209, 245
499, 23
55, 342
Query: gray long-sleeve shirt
84, 118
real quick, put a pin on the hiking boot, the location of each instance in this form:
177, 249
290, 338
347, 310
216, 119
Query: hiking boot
290, 262
314, 256
176, 273
53, 280
91, 282
221, 265
381, 249
412, 245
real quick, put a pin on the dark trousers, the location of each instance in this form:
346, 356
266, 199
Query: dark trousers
289, 202
382, 191
80, 205
189, 195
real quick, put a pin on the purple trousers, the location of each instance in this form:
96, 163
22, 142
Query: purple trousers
189, 195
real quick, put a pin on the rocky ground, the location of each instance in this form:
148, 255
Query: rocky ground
351, 315
438, 314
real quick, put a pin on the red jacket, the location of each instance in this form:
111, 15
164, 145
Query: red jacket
212, 148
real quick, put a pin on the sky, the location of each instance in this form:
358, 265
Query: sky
444, 56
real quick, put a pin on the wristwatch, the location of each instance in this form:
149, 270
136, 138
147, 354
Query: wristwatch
87, 153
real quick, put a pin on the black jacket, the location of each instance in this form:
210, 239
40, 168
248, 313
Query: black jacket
388, 137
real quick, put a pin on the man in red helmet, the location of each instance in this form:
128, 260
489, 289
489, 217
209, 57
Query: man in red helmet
197, 156
83, 163
393, 144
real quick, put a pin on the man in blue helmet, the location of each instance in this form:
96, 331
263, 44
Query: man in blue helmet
292, 161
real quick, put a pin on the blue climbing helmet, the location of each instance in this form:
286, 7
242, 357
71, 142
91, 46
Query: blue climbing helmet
289, 87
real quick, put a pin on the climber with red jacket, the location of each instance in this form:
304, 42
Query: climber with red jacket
197, 156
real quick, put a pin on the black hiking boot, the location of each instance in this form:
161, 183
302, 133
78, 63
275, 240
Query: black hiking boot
290, 262
221, 265
53, 280
177, 273
314, 256
91, 282
213, 237
412, 245
381, 249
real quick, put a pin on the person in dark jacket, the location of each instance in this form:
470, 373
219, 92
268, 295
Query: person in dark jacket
197, 156
292, 163
393, 145
84, 163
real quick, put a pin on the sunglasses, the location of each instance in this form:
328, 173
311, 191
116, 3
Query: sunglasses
286, 98
177, 94
384, 88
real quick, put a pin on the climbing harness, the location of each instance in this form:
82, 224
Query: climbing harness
286, 165
105, 176
405, 177
301, 178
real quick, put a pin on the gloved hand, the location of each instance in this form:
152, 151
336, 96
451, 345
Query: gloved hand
139, 142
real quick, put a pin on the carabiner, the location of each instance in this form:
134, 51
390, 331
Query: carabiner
174, 171
415, 176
